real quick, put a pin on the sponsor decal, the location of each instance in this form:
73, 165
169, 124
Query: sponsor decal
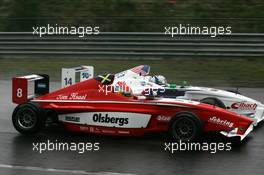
96, 130
72, 118
244, 106
123, 132
163, 118
72, 96
108, 131
106, 119
90, 129
219, 121
121, 74
85, 128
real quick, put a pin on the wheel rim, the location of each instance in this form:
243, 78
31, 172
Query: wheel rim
26, 119
184, 129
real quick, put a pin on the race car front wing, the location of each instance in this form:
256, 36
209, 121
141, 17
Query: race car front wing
234, 132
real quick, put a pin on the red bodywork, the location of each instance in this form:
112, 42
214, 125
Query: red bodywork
92, 97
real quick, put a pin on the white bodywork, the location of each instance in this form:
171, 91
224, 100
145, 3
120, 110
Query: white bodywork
108, 119
234, 102
69, 76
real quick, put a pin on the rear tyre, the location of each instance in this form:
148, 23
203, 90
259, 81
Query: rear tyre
213, 101
28, 118
186, 127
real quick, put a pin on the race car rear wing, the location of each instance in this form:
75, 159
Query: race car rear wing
27, 87
70, 76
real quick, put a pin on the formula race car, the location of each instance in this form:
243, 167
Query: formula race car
94, 106
230, 100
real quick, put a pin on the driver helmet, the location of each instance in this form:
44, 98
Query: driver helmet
159, 79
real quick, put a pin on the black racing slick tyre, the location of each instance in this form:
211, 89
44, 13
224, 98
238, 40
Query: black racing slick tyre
28, 118
185, 127
213, 101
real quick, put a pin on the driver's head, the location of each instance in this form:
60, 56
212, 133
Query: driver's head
159, 79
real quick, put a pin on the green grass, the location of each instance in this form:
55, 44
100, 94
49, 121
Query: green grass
197, 71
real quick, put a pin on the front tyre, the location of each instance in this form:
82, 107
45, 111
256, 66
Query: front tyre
28, 118
185, 127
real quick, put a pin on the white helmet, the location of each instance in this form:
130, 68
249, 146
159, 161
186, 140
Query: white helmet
159, 79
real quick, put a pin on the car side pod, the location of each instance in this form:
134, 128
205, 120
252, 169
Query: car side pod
235, 132
21, 90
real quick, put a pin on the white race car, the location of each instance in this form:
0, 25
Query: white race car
137, 81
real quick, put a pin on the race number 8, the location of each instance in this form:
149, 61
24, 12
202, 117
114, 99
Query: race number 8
19, 93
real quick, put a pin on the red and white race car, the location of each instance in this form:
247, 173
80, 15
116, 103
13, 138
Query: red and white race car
93, 106
138, 81
230, 100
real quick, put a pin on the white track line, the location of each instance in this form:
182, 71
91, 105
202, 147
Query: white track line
54, 170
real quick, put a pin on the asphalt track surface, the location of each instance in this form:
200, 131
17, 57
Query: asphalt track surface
122, 155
